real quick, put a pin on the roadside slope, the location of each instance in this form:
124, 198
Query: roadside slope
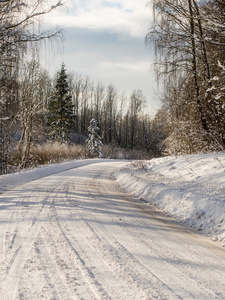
10, 181
189, 188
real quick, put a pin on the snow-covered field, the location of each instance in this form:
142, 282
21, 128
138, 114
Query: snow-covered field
189, 188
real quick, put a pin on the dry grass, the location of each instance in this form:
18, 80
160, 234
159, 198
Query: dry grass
49, 153
114, 152
53, 153
140, 165
56, 153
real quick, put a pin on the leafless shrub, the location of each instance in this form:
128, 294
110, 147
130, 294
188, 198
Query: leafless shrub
114, 152
53, 153
140, 165
56, 153
49, 153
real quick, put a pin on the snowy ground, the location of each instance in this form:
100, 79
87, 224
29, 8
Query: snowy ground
10, 181
69, 232
190, 188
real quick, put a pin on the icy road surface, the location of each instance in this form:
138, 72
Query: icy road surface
76, 235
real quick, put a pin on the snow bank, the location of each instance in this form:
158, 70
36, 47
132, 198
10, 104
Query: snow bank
10, 181
190, 188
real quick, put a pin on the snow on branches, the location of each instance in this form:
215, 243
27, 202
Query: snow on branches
94, 142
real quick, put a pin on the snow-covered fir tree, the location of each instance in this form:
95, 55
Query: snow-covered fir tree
94, 142
60, 118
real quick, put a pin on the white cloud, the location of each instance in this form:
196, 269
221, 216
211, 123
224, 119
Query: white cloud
104, 39
116, 16
137, 66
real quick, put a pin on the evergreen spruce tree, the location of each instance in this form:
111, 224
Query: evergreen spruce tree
60, 117
94, 142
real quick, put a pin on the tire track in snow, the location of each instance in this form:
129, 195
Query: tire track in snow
93, 252
193, 275
123, 260
92, 262
88, 277
189, 278
21, 243
183, 266
127, 276
61, 261
92, 242
49, 268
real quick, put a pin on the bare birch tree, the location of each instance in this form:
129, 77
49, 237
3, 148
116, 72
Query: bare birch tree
20, 26
185, 36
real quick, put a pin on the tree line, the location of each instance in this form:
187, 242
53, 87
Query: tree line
35, 108
189, 41
60, 109
121, 118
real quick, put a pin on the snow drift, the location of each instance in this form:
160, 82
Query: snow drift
189, 188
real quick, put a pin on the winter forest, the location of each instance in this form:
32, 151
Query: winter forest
46, 118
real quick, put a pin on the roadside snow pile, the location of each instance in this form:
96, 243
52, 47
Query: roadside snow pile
10, 181
190, 188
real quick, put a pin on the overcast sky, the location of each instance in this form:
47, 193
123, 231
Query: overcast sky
105, 40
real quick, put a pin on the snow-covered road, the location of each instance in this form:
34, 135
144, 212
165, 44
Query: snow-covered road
76, 235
